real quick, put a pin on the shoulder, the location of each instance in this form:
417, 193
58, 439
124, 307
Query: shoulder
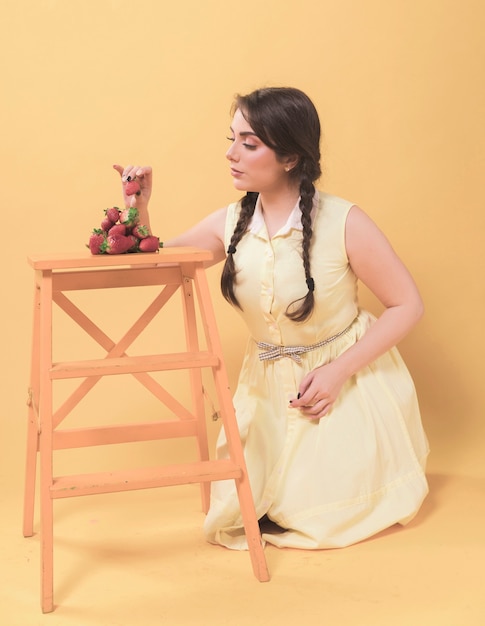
218, 216
330, 203
364, 240
329, 224
331, 211
347, 213
231, 215
359, 226
233, 209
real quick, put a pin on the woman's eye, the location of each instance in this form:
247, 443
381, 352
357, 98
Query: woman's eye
249, 146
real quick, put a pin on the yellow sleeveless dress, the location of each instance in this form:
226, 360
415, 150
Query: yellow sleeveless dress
359, 470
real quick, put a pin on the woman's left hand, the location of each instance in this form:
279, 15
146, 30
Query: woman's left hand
318, 391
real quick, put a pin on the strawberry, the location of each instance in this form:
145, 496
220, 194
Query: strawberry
135, 242
150, 244
106, 224
96, 240
117, 229
113, 213
116, 244
129, 217
132, 188
140, 231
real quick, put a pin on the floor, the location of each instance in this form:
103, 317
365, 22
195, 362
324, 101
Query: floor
140, 558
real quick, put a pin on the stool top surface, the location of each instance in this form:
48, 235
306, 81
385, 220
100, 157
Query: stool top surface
70, 260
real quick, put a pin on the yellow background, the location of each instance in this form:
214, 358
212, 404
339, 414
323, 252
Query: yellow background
400, 88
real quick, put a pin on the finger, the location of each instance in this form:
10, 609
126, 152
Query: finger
301, 400
308, 399
317, 410
118, 168
325, 410
143, 172
311, 412
304, 386
129, 173
310, 417
296, 403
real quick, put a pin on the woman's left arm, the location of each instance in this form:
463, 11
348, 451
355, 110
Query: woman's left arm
376, 264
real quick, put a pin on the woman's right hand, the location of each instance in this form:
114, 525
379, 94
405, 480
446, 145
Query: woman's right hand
143, 174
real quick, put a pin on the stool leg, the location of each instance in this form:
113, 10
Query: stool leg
45, 447
46, 547
30, 472
246, 502
32, 423
251, 529
244, 492
192, 343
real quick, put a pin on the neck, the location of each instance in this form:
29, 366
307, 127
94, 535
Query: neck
279, 202
276, 208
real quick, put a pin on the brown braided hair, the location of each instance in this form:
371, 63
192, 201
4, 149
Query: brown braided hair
285, 120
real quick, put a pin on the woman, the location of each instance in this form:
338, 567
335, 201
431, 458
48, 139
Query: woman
326, 408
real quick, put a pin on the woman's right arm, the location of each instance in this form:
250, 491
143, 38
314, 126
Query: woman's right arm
207, 234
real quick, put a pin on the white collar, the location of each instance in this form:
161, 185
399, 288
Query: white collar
292, 223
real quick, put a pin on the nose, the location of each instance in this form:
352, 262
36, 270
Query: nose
231, 154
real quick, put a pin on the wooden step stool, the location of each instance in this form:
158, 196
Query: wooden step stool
172, 269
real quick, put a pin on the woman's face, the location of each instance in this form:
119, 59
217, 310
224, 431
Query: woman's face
254, 166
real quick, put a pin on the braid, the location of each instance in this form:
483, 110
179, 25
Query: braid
228, 276
303, 312
286, 121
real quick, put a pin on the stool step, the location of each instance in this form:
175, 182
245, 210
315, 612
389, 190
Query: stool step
123, 433
145, 478
133, 364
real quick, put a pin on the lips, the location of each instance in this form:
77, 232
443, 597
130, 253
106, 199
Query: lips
235, 172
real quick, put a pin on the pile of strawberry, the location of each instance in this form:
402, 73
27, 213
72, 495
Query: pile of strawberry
121, 232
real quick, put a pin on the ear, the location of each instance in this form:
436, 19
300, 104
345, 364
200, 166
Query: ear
290, 163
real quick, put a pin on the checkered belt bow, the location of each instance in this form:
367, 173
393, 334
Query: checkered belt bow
272, 352
278, 352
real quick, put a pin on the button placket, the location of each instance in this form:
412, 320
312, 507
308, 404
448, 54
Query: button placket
267, 293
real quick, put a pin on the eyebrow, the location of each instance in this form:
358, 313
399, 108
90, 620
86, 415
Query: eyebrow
245, 133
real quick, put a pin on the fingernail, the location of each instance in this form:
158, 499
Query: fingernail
128, 178
298, 396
